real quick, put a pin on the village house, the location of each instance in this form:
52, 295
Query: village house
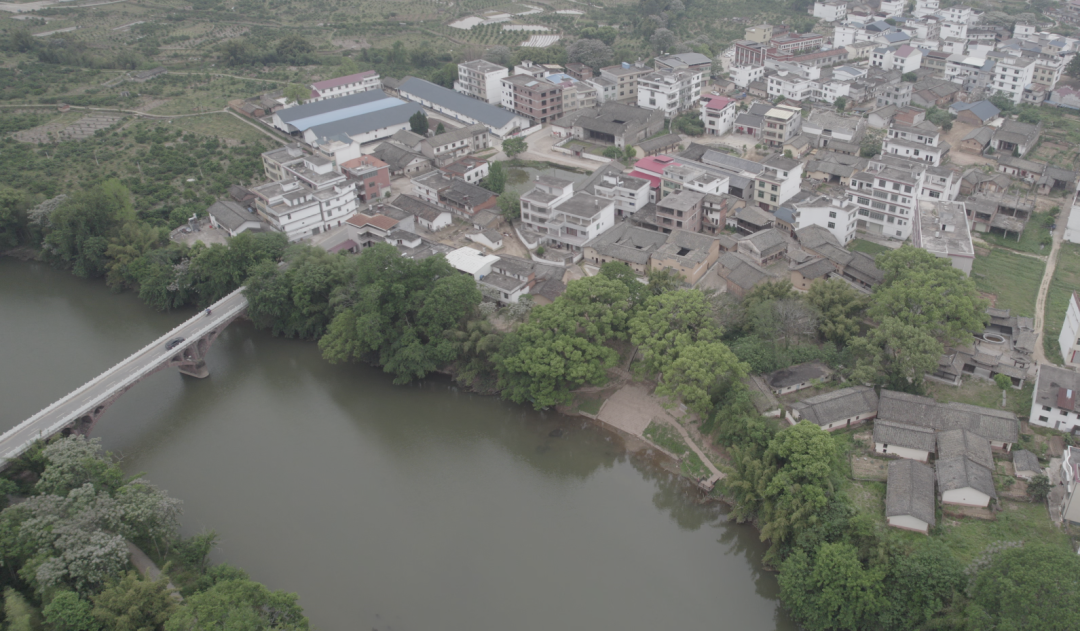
467, 168
909, 496
999, 427
625, 243
611, 123
962, 482
740, 274
977, 113
1054, 403
688, 254
431, 217
1014, 136
344, 86
764, 247
1026, 464
837, 409
1070, 478
976, 140
795, 378
905, 441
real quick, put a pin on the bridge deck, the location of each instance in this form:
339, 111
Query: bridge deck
100, 390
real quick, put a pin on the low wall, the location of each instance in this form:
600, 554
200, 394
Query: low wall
585, 155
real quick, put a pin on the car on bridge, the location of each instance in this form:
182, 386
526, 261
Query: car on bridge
173, 343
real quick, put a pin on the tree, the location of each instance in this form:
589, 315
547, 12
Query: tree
236, 52
662, 40
439, 129
1039, 488
926, 292
134, 604
498, 55
591, 52
870, 145
783, 320
496, 178
514, 146
698, 371
20, 614
909, 77
82, 226
418, 122
895, 355
839, 309
296, 93
689, 123
920, 583
294, 49
831, 589
563, 344
1003, 102
669, 323
68, 612
509, 205
398, 313
14, 224
766, 292
296, 300
1032, 587
840, 103
1073, 68
239, 604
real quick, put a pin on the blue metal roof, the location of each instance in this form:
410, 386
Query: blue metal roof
364, 122
304, 116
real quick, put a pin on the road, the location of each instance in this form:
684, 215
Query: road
1044, 286
98, 391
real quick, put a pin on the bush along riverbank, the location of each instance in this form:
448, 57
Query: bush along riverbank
67, 564
839, 566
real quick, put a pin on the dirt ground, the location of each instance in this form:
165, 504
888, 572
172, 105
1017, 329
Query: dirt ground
960, 158
869, 468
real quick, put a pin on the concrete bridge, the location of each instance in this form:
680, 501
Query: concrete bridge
79, 411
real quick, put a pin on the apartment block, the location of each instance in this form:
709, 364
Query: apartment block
481, 80
625, 76
538, 100
670, 91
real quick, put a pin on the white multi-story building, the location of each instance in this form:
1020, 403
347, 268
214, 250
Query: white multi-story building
924, 8
903, 58
311, 197
743, 76
837, 215
481, 80
831, 10
954, 30
960, 14
1069, 339
630, 194
344, 86
892, 8
1011, 76
718, 113
1070, 477
562, 218
793, 82
886, 197
919, 142
1054, 403
679, 177
778, 182
670, 91
605, 89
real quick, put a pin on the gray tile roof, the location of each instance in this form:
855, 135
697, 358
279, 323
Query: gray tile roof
960, 442
959, 472
903, 435
455, 101
767, 241
365, 123
797, 374
660, 142
838, 405
1024, 460
910, 491
688, 247
230, 214
993, 425
628, 243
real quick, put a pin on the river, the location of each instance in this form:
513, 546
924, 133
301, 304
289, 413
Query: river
385, 507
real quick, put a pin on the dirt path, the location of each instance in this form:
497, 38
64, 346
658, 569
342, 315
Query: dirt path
148, 568
1044, 286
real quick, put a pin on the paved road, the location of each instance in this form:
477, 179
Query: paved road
97, 391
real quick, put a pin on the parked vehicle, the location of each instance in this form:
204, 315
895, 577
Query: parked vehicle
173, 343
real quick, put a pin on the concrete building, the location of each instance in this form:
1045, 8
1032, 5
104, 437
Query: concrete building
686, 61
370, 176
1070, 478
688, 254
311, 198
718, 113
909, 496
904, 441
917, 142
625, 243
538, 100
1054, 403
1012, 74
670, 91
457, 143
364, 117
1069, 339
629, 194
563, 219
625, 77
778, 182
760, 34
830, 11
886, 199
899, 57
481, 80
781, 124
962, 482
682, 210
233, 218
837, 215
344, 86
612, 123
942, 229
457, 195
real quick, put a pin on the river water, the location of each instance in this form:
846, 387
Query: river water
386, 507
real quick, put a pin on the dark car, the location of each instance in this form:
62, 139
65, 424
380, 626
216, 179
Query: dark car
173, 343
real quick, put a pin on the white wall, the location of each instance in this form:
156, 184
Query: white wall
966, 496
1070, 328
903, 452
907, 522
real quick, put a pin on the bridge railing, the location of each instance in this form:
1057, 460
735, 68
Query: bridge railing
59, 424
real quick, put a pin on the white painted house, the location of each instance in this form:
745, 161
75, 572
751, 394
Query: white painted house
906, 441
830, 11
909, 496
1054, 402
344, 86
1069, 339
836, 214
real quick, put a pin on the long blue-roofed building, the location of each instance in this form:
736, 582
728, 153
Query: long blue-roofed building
365, 117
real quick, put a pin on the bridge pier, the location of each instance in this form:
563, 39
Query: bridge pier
191, 361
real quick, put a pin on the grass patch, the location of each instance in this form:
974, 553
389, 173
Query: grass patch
1066, 280
693, 467
1034, 231
868, 497
591, 406
866, 247
1013, 278
983, 393
666, 437
1020, 521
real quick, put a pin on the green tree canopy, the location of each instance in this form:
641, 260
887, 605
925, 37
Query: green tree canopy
509, 205
297, 93
82, 226
1033, 587
831, 589
514, 146
920, 583
418, 122
840, 310
134, 604
239, 604
496, 178
296, 300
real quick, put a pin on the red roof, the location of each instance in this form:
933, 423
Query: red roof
379, 221
340, 81
1066, 398
347, 244
655, 164
363, 161
654, 182
719, 102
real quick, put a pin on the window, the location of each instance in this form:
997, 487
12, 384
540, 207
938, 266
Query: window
832, 224
1046, 408
1044, 419
832, 214
1063, 413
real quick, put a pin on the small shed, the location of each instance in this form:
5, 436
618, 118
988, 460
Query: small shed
797, 377
963, 482
1026, 464
490, 239
909, 496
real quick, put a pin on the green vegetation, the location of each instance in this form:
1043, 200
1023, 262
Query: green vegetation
1012, 278
75, 572
514, 146
867, 247
666, 437
1065, 281
1033, 240
591, 406
983, 393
